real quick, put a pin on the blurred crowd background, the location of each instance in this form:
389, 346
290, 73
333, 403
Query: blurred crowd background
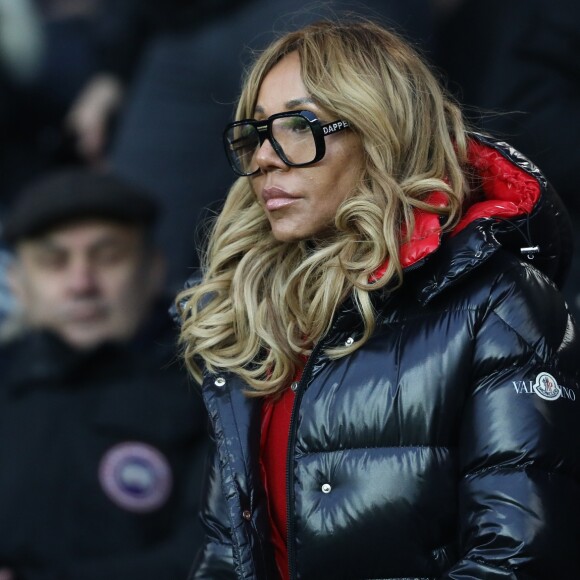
144, 87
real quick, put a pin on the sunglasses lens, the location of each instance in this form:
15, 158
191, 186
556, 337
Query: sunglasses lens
291, 136
242, 143
295, 138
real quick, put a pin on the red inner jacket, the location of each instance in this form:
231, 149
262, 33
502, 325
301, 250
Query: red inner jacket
276, 415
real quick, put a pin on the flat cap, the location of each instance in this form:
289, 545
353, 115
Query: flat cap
72, 194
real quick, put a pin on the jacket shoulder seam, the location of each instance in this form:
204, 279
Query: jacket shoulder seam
363, 448
530, 347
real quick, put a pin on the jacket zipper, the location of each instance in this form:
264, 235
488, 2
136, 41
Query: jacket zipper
290, 525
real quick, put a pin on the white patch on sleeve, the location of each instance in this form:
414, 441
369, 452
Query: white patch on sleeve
547, 387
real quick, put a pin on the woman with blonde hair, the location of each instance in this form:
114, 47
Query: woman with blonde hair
389, 369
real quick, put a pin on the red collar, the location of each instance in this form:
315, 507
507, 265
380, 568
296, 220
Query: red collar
507, 191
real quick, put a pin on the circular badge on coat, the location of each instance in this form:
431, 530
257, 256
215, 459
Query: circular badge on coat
547, 387
136, 476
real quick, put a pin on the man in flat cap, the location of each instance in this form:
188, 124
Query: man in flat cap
102, 441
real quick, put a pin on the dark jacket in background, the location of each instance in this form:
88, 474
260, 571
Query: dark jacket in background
518, 62
102, 455
447, 446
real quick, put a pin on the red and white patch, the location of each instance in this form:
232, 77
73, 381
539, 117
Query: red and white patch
136, 476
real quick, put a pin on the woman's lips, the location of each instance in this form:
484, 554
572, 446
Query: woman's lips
275, 198
279, 202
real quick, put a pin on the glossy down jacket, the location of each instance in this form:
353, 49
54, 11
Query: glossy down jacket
448, 446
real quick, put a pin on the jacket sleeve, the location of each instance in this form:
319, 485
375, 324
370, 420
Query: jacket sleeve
519, 490
215, 559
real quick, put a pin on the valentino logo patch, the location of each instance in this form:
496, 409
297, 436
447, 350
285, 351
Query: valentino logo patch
136, 476
546, 387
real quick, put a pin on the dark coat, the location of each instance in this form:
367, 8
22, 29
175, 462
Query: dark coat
102, 455
447, 446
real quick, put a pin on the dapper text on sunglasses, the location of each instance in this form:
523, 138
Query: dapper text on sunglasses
298, 137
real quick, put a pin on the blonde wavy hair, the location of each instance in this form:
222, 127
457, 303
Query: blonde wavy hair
262, 303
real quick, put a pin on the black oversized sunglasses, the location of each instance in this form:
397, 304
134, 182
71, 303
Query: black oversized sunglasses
296, 136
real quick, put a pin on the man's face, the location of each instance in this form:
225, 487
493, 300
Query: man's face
89, 281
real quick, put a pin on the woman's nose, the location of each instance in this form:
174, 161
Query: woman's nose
267, 159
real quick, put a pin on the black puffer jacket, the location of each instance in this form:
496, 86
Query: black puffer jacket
449, 444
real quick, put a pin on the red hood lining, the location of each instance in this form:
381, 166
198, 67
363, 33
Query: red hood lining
508, 191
